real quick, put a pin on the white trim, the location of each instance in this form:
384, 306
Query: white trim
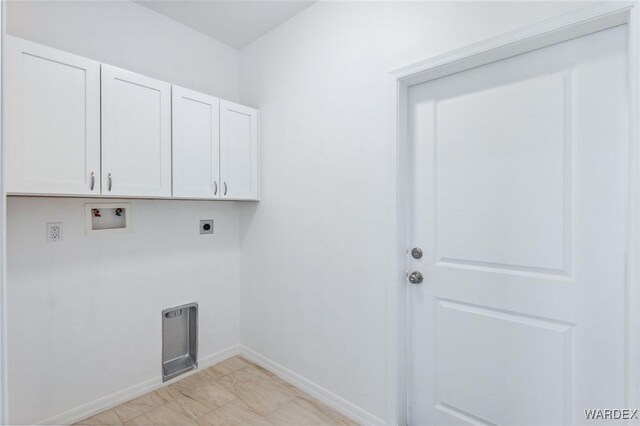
558, 29
112, 400
633, 272
4, 399
323, 395
397, 293
554, 30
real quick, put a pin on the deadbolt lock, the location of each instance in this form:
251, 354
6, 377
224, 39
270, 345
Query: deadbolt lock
416, 252
415, 277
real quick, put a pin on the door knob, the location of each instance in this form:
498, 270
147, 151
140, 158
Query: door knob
415, 277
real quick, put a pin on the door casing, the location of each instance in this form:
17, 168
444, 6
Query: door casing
558, 29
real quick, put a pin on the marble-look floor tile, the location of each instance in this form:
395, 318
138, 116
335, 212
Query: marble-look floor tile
313, 405
231, 383
216, 372
235, 413
143, 404
233, 392
191, 407
294, 413
225, 367
167, 414
251, 373
263, 397
234, 382
234, 363
212, 395
194, 380
106, 418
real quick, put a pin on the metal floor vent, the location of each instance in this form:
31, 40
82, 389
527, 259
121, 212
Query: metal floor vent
179, 340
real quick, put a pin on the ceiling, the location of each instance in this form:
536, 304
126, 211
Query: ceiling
233, 22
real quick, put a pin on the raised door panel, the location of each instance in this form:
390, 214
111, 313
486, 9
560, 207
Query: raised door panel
238, 151
497, 135
196, 144
136, 134
52, 121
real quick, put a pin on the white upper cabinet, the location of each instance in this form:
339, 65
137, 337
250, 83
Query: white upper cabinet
136, 134
74, 126
238, 151
52, 119
196, 144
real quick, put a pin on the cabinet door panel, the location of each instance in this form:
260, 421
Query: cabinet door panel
136, 134
196, 144
53, 121
238, 151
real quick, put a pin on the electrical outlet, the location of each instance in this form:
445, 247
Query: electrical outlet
54, 232
206, 226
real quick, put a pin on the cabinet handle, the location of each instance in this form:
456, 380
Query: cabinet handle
215, 187
225, 188
93, 180
110, 182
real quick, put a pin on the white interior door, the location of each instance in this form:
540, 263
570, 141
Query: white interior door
520, 199
136, 134
238, 151
52, 118
196, 144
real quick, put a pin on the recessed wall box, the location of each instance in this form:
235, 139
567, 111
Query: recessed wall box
108, 218
179, 340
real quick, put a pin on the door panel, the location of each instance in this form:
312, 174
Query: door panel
531, 355
520, 195
53, 121
196, 144
136, 134
238, 151
509, 152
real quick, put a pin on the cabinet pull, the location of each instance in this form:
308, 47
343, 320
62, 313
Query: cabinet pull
225, 188
93, 180
215, 187
110, 182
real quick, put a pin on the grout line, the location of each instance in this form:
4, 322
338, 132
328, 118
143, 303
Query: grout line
116, 413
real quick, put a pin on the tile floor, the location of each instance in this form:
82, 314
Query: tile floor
233, 392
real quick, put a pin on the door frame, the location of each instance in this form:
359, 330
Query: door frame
582, 22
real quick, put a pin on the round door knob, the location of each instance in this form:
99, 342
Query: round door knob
415, 277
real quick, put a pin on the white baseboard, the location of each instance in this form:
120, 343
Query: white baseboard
331, 399
94, 407
334, 401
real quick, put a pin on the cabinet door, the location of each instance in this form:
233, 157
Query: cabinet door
196, 144
136, 134
52, 118
238, 151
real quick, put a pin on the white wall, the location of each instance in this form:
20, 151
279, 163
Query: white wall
318, 251
84, 314
127, 35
